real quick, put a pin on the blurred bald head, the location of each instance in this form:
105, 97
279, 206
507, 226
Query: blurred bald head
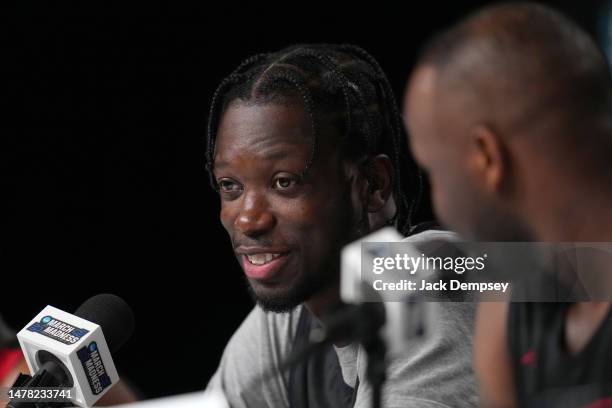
507, 109
523, 63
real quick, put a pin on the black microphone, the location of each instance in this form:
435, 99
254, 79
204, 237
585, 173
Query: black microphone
111, 313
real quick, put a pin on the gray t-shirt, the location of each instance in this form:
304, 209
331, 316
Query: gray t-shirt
434, 373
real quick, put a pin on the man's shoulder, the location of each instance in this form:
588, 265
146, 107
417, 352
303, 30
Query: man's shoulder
437, 369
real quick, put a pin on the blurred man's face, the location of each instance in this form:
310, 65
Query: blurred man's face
429, 140
441, 143
287, 232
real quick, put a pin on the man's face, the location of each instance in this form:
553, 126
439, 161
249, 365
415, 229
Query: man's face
286, 232
440, 140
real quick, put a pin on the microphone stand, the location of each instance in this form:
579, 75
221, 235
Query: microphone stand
376, 371
50, 374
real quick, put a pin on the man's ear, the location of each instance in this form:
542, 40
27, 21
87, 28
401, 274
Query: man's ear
488, 159
379, 182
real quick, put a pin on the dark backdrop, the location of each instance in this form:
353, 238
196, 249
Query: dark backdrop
103, 188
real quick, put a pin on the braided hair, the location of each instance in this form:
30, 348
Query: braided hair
341, 85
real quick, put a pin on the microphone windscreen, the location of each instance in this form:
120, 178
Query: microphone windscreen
112, 314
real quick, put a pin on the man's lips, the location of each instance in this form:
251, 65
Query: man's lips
262, 264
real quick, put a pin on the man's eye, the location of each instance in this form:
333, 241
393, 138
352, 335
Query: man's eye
283, 183
228, 185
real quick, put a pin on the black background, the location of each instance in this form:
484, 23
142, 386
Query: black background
103, 186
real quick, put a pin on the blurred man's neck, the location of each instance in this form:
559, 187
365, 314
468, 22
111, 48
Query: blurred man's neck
580, 214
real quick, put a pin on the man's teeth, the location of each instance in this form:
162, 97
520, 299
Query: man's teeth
260, 259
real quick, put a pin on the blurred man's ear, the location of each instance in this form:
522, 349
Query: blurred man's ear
379, 182
487, 159
380, 204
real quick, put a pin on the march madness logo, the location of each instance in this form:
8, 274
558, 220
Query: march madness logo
58, 330
96, 374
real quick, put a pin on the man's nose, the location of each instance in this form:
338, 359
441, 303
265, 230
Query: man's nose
255, 217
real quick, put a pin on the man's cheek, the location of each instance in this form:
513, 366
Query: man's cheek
445, 201
306, 214
439, 205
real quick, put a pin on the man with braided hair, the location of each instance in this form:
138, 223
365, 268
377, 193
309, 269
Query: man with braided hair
303, 148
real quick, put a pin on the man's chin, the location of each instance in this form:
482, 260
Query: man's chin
286, 296
281, 299
274, 301
276, 306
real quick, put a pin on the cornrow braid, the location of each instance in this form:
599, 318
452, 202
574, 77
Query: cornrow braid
345, 83
407, 168
299, 84
338, 83
235, 77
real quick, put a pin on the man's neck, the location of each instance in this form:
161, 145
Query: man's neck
576, 216
583, 214
582, 322
326, 301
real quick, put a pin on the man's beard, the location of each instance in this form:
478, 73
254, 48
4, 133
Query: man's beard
315, 279
307, 284
299, 291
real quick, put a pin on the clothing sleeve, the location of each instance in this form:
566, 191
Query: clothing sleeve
260, 343
435, 371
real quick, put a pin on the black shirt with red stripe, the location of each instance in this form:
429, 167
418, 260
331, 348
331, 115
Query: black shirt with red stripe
545, 373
